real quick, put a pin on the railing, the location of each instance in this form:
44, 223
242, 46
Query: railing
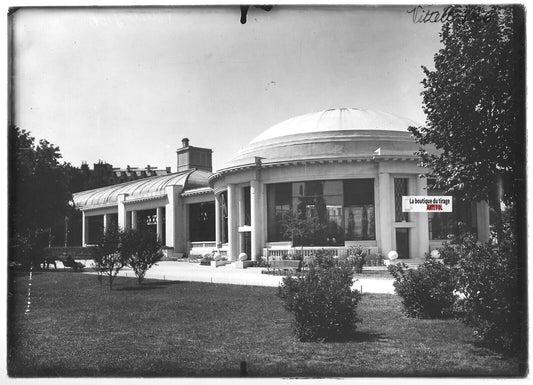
337, 251
307, 251
202, 247
204, 244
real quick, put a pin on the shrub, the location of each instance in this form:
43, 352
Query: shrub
357, 256
322, 300
261, 262
452, 249
426, 292
141, 250
108, 260
489, 282
28, 249
206, 259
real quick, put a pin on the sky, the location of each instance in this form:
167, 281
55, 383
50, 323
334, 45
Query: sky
125, 85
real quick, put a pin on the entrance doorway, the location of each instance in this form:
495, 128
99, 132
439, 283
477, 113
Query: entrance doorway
402, 243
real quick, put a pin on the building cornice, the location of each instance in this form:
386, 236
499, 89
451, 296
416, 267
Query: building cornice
311, 161
198, 191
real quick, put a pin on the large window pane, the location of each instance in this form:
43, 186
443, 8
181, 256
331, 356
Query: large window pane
360, 222
329, 208
202, 222
400, 190
359, 217
96, 229
247, 206
358, 192
278, 209
224, 217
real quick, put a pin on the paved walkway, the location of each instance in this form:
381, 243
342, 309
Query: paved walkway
194, 272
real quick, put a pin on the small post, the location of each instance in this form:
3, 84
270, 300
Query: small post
244, 371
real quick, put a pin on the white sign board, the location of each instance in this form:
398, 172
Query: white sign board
427, 204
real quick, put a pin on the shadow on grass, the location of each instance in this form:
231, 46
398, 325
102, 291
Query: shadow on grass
153, 285
359, 336
356, 336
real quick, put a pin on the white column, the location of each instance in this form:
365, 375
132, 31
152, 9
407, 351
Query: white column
218, 225
184, 220
422, 223
134, 219
159, 219
241, 211
255, 218
84, 229
240, 203
122, 213
385, 212
262, 215
233, 238
174, 225
107, 221
170, 214
482, 221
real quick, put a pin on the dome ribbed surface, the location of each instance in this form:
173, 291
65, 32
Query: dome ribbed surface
341, 119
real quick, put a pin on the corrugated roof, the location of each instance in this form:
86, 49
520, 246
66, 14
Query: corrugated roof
142, 188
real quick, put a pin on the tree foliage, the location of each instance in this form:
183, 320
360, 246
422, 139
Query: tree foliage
492, 296
39, 189
108, 256
39, 193
141, 250
474, 102
301, 230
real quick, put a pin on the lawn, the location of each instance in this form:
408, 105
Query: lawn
75, 327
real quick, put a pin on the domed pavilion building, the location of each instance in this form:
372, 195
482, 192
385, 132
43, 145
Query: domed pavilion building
340, 174
346, 168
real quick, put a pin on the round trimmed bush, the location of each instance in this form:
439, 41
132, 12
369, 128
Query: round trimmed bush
426, 292
322, 300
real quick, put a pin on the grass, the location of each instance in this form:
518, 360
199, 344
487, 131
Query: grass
76, 327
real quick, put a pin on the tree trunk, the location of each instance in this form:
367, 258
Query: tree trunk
495, 203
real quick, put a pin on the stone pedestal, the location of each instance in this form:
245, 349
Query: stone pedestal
242, 264
218, 263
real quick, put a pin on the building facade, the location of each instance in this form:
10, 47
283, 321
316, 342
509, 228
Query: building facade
178, 207
340, 172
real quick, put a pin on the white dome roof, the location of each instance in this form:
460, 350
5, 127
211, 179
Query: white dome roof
342, 119
346, 133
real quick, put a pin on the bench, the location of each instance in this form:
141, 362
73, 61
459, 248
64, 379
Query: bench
70, 262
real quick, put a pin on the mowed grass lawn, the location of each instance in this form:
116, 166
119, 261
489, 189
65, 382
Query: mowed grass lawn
76, 327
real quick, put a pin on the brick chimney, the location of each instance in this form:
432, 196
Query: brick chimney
190, 157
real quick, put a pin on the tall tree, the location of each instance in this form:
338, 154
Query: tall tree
475, 104
38, 187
